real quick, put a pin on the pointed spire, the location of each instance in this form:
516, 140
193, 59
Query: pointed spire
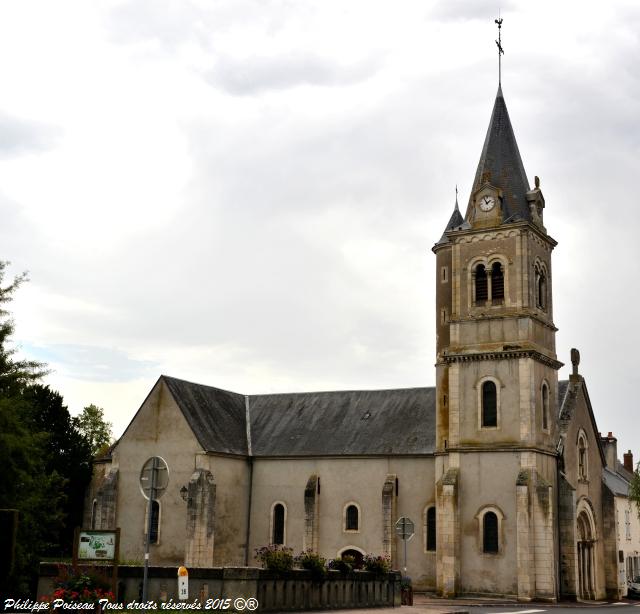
455, 221
501, 165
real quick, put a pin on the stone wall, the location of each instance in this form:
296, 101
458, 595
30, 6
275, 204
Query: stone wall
297, 591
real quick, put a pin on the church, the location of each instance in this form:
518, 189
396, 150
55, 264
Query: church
500, 466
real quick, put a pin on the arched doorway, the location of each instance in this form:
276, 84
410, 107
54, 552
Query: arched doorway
586, 556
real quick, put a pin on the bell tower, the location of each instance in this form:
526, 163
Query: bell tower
496, 382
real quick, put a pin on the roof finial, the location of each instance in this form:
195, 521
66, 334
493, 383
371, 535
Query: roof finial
500, 49
456, 195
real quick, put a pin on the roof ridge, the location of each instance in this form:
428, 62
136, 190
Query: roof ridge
273, 394
185, 381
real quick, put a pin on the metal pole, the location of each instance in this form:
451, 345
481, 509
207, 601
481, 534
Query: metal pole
152, 496
405, 556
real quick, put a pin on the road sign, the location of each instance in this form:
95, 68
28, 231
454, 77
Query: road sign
154, 475
183, 583
405, 528
154, 479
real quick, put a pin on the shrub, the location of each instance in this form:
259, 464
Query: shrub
312, 561
84, 585
377, 564
276, 558
343, 564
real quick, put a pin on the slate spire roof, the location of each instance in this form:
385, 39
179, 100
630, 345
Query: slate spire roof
501, 165
455, 221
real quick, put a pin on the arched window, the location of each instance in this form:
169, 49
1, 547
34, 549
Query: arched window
351, 518
490, 537
94, 512
497, 283
542, 291
583, 469
481, 287
489, 404
155, 522
545, 407
277, 522
430, 529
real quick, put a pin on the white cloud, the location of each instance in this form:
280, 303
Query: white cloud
245, 193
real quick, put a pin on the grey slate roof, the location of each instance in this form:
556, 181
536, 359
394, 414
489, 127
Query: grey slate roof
455, 221
562, 393
362, 422
500, 158
354, 422
615, 482
217, 417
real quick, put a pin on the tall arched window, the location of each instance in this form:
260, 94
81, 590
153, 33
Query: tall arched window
545, 407
351, 518
489, 404
583, 469
542, 291
155, 522
490, 536
497, 283
277, 517
430, 529
481, 287
94, 514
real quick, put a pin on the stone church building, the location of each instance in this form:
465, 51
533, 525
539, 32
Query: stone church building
500, 465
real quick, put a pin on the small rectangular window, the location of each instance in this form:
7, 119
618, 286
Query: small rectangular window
444, 275
443, 315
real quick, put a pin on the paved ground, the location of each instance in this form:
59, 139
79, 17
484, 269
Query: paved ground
423, 604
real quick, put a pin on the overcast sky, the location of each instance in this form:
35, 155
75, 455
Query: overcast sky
245, 193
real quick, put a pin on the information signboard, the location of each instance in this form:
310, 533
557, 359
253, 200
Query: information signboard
97, 545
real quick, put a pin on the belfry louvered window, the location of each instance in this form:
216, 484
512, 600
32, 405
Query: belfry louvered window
481, 286
489, 404
490, 542
497, 283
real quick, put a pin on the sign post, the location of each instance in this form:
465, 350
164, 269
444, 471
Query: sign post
405, 529
154, 479
92, 545
183, 583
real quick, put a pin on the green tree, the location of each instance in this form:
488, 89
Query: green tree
95, 428
45, 461
634, 489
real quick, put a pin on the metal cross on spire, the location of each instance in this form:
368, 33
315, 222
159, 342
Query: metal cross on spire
500, 49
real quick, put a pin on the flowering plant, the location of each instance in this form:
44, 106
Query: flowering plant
380, 564
74, 584
275, 558
343, 564
312, 561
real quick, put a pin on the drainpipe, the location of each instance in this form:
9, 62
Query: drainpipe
250, 461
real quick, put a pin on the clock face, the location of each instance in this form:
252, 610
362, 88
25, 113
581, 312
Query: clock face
487, 203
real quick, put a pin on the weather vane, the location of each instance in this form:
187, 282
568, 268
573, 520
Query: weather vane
500, 49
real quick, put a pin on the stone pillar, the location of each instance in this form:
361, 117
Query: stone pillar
525, 559
568, 542
544, 550
389, 517
448, 534
200, 519
311, 515
106, 499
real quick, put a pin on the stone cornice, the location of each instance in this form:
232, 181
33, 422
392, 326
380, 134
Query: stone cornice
505, 316
455, 234
493, 447
502, 355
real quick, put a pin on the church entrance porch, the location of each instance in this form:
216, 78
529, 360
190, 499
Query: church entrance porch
586, 557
